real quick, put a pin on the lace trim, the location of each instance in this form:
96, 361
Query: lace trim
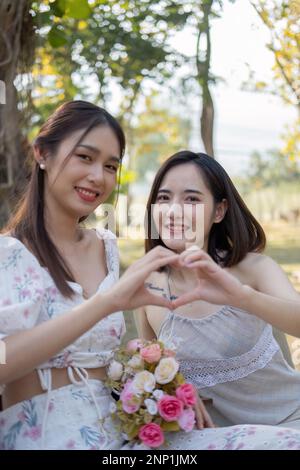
111, 251
217, 371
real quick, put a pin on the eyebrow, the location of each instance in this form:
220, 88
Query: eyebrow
97, 151
185, 191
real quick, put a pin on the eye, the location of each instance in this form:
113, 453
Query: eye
112, 168
86, 158
162, 198
193, 199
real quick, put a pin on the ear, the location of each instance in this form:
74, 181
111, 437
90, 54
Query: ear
220, 211
39, 158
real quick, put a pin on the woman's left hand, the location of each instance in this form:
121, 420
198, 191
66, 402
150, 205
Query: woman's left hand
213, 283
203, 420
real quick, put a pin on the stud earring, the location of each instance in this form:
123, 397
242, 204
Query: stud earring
42, 166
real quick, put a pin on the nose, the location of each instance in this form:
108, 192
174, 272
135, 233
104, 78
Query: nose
96, 175
175, 211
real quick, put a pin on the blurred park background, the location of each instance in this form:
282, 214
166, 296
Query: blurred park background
208, 75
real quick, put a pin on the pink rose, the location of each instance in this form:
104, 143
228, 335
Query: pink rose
127, 392
151, 353
151, 435
187, 420
130, 402
130, 407
170, 408
133, 345
186, 393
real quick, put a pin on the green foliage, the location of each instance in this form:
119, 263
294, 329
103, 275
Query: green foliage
123, 40
158, 133
269, 170
282, 20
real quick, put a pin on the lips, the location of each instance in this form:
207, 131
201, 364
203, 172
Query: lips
87, 194
176, 228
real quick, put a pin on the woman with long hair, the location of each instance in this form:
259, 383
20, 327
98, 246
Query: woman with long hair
60, 298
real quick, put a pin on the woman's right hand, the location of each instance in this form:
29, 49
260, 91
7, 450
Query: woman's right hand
130, 292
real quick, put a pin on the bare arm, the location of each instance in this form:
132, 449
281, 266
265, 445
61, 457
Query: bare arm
273, 299
27, 349
142, 324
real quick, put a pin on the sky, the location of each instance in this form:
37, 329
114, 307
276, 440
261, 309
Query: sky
245, 121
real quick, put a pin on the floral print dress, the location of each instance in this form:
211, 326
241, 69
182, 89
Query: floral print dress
76, 416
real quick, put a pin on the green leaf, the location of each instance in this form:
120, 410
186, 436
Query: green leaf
131, 430
58, 8
57, 37
78, 9
171, 426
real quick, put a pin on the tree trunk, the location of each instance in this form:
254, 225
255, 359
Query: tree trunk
207, 121
204, 78
13, 16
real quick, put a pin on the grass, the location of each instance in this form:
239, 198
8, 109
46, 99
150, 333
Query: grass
283, 246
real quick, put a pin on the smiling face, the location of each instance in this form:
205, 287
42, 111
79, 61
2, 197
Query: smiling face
88, 177
184, 210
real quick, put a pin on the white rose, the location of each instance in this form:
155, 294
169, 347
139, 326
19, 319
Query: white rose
143, 382
151, 406
166, 370
115, 370
135, 362
158, 394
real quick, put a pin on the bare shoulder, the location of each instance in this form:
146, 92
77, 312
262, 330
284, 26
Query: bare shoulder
254, 267
89, 248
254, 260
91, 239
263, 273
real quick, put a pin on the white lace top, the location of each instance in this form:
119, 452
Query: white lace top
232, 357
28, 297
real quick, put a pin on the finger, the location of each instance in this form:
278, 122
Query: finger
158, 301
205, 266
189, 251
149, 267
197, 256
185, 299
208, 423
156, 253
193, 255
160, 254
160, 251
191, 247
199, 418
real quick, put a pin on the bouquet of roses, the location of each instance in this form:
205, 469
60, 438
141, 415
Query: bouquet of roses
153, 395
